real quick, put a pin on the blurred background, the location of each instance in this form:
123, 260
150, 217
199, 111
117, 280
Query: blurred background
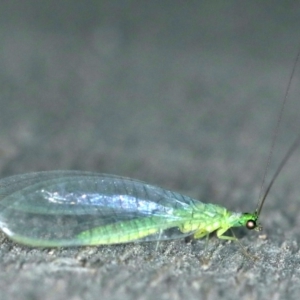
181, 94
171, 92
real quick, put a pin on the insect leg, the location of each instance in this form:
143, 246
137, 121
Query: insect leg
200, 234
220, 235
158, 240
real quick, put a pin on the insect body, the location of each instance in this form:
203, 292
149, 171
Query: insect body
70, 208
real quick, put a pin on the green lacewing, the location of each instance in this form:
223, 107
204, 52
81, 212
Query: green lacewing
73, 208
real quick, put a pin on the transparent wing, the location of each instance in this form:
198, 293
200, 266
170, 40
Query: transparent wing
66, 208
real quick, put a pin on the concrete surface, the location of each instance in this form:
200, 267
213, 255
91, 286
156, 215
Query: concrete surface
181, 94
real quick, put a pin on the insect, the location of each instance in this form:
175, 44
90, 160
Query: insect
73, 208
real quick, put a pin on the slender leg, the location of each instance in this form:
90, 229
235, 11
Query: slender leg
220, 235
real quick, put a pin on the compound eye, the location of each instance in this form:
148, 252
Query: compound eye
251, 224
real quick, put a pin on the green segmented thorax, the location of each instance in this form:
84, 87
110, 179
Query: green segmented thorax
207, 218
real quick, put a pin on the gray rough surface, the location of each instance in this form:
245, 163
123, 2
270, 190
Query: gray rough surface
181, 94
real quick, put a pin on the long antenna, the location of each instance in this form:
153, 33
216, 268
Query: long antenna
283, 162
274, 139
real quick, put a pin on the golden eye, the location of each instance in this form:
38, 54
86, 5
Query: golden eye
251, 224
